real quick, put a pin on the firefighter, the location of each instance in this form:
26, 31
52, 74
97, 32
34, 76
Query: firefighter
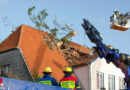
47, 79
68, 81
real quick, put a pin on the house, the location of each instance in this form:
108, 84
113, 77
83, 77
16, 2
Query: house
24, 55
99, 74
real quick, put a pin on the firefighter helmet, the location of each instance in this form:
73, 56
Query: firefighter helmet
47, 69
68, 69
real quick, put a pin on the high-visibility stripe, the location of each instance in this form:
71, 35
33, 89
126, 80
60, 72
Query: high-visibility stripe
68, 84
45, 82
124, 66
78, 87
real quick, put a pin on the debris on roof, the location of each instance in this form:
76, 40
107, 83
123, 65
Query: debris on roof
73, 55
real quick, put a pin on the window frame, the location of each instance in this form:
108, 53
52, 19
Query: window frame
5, 69
99, 80
111, 81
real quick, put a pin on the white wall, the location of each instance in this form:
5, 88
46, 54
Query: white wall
83, 75
100, 65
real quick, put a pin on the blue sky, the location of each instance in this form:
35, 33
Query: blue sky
97, 12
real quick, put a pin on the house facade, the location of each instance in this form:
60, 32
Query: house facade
99, 75
13, 64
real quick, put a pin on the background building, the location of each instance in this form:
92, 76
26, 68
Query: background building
99, 74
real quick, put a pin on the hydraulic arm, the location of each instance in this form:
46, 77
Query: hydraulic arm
110, 54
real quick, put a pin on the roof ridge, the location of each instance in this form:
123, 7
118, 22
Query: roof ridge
20, 35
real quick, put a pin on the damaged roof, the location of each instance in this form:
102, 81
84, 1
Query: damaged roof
37, 55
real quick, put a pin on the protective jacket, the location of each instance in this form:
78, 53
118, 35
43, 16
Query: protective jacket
68, 81
48, 80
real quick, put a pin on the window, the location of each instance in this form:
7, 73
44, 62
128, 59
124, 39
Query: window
4, 69
111, 82
100, 80
122, 84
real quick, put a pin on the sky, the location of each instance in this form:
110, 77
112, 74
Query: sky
98, 12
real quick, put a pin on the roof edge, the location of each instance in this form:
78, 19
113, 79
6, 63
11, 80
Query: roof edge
26, 63
94, 60
8, 50
84, 64
20, 35
80, 65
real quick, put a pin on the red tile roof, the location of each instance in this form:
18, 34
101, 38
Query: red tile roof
36, 53
11, 41
80, 48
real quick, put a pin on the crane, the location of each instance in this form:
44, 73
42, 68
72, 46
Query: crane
119, 21
120, 60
